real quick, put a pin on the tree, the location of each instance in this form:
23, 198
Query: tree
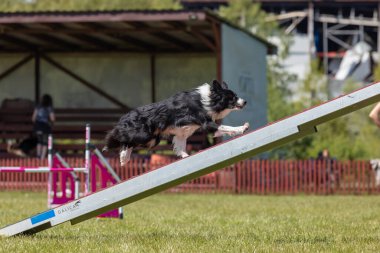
250, 16
351, 137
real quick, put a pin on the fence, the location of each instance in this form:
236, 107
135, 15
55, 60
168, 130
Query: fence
246, 177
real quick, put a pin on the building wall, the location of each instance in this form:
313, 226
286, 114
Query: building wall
127, 77
182, 72
123, 76
244, 70
19, 84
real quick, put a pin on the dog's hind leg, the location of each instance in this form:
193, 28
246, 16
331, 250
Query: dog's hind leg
180, 136
125, 155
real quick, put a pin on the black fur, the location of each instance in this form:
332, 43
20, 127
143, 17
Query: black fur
145, 126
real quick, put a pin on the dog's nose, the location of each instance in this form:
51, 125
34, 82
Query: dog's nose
241, 103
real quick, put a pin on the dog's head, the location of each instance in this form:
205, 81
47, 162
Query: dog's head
219, 100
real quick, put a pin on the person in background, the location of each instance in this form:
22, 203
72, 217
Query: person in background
374, 114
327, 164
43, 118
324, 155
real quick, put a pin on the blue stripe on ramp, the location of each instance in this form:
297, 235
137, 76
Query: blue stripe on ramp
42, 216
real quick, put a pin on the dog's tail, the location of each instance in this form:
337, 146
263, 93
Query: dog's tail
111, 140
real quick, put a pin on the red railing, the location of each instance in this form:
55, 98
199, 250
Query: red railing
246, 177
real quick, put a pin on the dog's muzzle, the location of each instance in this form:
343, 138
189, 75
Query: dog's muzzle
240, 103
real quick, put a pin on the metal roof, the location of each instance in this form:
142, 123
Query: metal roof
119, 30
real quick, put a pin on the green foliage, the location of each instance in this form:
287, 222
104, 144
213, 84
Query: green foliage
86, 5
376, 73
246, 14
249, 15
309, 94
280, 106
313, 90
278, 99
350, 137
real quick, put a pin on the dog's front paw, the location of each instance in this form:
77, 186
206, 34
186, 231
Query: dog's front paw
184, 154
242, 129
245, 126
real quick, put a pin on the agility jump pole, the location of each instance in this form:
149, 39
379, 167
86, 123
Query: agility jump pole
50, 175
87, 157
40, 169
49, 168
201, 163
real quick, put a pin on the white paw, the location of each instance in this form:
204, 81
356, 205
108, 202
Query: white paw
242, 129
123, 157
184, 154
245, 126
123, 162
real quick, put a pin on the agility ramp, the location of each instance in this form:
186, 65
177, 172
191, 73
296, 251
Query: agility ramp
201, 163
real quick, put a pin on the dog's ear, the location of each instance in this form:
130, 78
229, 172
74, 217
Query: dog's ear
216, 84
224, 85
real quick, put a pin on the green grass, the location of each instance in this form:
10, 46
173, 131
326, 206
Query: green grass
208, 223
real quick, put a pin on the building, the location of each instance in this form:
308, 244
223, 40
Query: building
124, 59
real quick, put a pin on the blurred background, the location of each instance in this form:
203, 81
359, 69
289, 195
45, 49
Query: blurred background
99, 59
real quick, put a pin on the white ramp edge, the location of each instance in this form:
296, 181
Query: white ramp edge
201, 163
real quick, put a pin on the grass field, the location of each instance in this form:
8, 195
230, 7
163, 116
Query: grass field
208, 223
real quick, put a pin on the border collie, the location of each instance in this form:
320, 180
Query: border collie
178, 116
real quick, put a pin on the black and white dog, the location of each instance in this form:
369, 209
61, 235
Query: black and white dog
178, 116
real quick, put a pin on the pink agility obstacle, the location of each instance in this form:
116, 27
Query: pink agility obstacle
64, 178
106, 179
63, 183
60, 181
